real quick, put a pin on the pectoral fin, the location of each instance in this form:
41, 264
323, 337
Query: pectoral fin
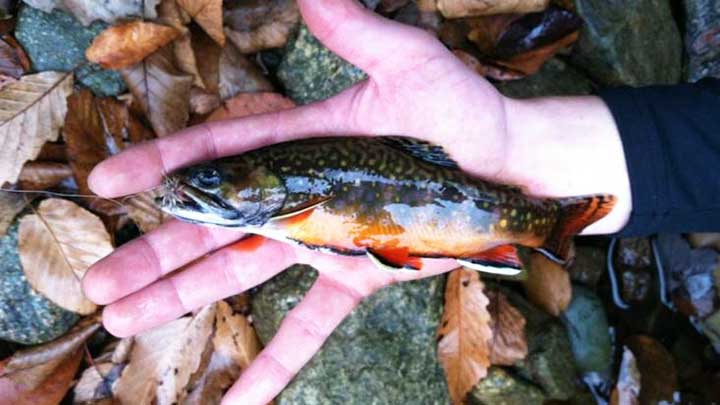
501, 260
394, 259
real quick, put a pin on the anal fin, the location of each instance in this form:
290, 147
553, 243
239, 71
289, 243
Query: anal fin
394, 259
502, 260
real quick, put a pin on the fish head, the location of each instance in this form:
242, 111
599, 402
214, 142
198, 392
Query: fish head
231, 193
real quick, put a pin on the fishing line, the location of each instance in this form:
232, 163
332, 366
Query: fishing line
96, 197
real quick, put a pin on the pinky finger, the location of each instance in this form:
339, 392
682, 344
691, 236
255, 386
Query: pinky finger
301, 334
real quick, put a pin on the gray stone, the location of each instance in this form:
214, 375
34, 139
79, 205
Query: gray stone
310, 72
587, 328
628, 42
57, 41
702, 38
555, 78
383, 353
589, 265
503, 388
26, 316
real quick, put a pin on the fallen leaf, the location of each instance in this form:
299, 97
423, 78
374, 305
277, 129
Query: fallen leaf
171, 14
32, 111
203, 102
41, 175
548, 285
701, 240
486, 32
487, 70
161, 90
465, 333
235, 346
109, 11
509, 343
57, 245
627, 389
257, 25
96, 382
237, 75
208, 14
657, 369
163, 360
427, 6
10, 205
470, 8
129, 43
143, 210
246, 104
207, 53
13, 61
530, 62
42, 375
53, 152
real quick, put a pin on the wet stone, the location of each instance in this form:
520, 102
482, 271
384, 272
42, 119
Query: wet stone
26, 317
702, 38
587, 327
57, 41
383, 353
502, 388
555, 78
589, 266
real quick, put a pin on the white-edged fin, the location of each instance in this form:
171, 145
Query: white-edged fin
503, 271
300, 211
381, 264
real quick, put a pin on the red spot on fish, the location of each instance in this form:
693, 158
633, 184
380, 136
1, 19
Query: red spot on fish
249, 244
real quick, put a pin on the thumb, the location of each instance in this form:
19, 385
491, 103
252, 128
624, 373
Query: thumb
373, 43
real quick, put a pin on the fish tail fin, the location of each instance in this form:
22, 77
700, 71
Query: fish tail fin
576, 213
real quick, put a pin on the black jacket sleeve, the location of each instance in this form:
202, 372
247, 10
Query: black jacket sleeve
671, 138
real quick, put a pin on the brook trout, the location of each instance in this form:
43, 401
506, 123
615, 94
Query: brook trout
393, 199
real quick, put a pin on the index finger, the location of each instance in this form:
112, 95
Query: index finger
143, 166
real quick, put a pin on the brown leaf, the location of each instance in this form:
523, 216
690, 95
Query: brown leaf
469, 8
548, 285
57, 245
144, 212
246, 104
161, 90
427, 6
486, 70
169, 13
10, 205
207, 53
485, 32
237, 75
657, 369
53, 152
530, 62
208, 14
126, 44
508, 344
43, 175
203, 102
13, 61
43, 374
96, 382
32, 111
627, 389
464, 337
255, 26
163, 360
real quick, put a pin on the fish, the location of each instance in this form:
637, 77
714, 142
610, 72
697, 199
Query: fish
393, 199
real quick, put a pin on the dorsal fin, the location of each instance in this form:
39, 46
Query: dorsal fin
421, 149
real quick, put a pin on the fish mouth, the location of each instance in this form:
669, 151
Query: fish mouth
182, 198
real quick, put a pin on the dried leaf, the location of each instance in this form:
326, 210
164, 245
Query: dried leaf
129, 43
508, 344
255, 26
171, 14
13, 61
469, 8
144, 212
109, 11
42, 374
627, 389
57, 246
657, 369
43, 175
203, 102
10, 205
235, 345
96, 382
237, 75
246, 104
464, 337
161, 90
427, 6
32, 111
486, 70
530, 62
163, 360
208, 14
548, 285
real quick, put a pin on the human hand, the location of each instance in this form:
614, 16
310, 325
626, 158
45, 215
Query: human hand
416, 88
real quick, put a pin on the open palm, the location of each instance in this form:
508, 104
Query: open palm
416, 88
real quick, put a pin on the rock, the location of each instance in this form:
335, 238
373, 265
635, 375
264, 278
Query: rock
628, 43
702, 38
502, 388
384, 353
589, 265
57, 41
550, 362
310, 72
26, 316
555, 78
587, 327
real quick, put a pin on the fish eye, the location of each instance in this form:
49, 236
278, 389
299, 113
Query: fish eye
207, 177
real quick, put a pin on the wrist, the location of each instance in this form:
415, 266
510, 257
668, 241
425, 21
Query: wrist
568, 146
